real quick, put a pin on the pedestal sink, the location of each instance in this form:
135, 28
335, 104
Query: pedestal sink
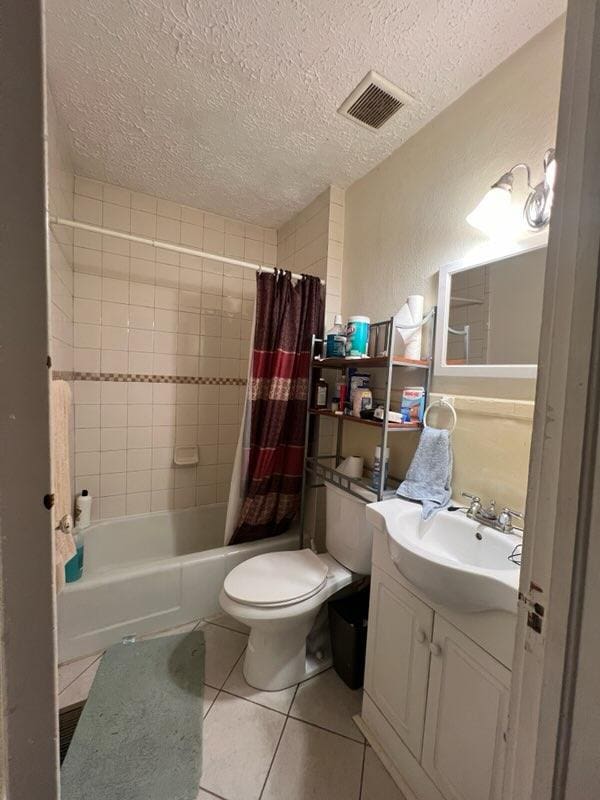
453, 560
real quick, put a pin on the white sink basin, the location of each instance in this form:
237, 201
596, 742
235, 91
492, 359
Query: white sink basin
453, 560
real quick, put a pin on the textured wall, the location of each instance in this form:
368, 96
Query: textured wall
59, 196
60, 203
312, 241
406, 218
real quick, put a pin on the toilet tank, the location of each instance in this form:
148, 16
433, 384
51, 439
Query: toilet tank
348, 537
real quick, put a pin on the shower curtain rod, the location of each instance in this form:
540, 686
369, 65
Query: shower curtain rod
176, 248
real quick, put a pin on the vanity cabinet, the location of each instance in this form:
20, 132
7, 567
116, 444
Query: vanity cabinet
435, 701
400, 629
466, 717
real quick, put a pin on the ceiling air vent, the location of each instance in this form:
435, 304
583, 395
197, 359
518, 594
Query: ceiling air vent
373, 102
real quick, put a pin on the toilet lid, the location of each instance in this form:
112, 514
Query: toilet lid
276, 578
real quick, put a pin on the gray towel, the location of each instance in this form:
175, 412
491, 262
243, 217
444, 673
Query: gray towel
428, 477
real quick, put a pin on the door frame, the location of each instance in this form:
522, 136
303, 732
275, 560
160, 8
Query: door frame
28, 684
554, 639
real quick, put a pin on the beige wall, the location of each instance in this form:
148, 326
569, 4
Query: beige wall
146, 311
127, 309
406, 218
492, 439
312, 242
60, 203
515, 309
61, 180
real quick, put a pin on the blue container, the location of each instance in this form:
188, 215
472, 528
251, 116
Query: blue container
336, 345
74, 567
358, 336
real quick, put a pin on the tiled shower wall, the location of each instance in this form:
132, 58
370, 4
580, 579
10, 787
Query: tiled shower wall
60, 252
312, 242
161, 344
470, 306
60, 243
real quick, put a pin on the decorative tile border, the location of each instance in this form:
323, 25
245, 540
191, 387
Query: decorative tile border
126, 377
491, 406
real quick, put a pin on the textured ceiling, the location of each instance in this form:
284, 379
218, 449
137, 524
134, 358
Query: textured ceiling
231, 105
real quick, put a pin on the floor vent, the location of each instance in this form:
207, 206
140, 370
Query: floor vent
374, 101
68, 719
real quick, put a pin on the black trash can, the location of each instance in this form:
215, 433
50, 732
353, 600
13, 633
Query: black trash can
348, 626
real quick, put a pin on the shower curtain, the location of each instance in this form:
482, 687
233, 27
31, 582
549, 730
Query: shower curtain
267, 477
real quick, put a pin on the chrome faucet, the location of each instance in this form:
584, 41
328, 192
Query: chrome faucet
502, 522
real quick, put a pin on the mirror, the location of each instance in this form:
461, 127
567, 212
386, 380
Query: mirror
489, 316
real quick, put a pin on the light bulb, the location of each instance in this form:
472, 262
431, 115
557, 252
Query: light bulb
550, 169
493, 214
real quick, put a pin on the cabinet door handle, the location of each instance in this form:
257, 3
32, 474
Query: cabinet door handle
435, 649
420, 635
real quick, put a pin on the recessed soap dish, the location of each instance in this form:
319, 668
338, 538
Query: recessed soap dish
186, 456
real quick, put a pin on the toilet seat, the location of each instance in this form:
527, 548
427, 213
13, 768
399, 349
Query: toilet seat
278, 579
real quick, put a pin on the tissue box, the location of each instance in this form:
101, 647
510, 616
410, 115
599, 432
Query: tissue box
412, 407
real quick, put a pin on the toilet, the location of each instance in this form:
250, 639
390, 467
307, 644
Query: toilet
282, 597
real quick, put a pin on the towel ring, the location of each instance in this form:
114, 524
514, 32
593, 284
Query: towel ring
442, 401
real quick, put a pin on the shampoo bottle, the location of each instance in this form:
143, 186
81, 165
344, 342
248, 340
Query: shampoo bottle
83, 510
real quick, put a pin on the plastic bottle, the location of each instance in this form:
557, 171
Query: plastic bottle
336, 339
83, 510
377, 467
321, 393
357, 334
74, 567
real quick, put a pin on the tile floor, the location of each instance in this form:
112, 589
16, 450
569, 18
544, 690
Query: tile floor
296, 744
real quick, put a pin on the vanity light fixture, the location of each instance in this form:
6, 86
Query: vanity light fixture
493, 214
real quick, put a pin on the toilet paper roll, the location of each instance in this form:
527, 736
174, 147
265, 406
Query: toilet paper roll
411, 313
352, 466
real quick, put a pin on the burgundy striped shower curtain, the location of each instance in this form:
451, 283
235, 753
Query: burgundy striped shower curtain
287, 316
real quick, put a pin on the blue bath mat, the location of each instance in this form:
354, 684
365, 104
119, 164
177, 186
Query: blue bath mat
140, 734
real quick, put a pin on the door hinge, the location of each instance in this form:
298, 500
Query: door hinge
535, 610
48, 501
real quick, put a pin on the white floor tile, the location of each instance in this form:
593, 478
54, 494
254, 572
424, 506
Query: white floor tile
239, 740
325, 700
223, 648
313, 764
225, 621
80, 688
67, 673
208, 697
377, 782
189, 626
280, 701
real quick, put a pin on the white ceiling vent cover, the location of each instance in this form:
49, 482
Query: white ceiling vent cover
373, 102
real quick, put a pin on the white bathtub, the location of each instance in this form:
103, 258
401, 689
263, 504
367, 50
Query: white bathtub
148, 573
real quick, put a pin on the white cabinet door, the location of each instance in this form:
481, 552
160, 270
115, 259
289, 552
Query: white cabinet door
400, 628
467, 710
